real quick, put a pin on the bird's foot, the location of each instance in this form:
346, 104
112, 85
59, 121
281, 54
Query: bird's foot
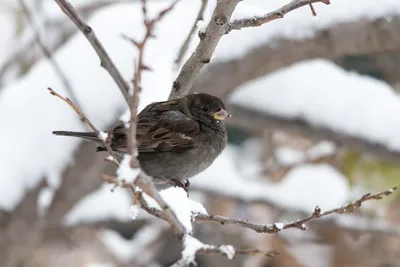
187, 183
184, 186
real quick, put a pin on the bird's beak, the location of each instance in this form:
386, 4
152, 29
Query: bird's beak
221, 115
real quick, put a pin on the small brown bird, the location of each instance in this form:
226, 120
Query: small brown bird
176, 139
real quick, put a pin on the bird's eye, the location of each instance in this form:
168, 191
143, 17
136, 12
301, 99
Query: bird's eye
205, 109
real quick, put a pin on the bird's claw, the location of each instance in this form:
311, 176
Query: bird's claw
187, 183
184, 186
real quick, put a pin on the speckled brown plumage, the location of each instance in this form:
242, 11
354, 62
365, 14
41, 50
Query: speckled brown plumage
176, 139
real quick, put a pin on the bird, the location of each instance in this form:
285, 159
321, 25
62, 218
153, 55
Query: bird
176, 139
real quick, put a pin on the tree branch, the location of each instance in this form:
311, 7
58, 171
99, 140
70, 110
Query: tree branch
192, 246
354, 223
204, 50
299, 224
185, 45
256, 21
105, 59
102, 136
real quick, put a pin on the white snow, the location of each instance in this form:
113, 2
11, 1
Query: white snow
103, 136
350, 103
183, 206
228, 250
134, 211
279, 225
289, 156
110, 158
201, 25
126, 250
44, 199
101, 204
190, 246
178, 201
125, 172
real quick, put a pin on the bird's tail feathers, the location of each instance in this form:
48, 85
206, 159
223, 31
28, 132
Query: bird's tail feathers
90, 136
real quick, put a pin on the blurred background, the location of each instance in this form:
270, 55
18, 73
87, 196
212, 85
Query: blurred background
315, 121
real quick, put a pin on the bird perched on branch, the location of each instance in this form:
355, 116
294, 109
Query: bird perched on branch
176, 139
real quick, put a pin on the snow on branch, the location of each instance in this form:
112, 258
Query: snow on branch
137, 76
193, 246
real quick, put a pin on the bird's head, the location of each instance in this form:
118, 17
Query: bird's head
207, 108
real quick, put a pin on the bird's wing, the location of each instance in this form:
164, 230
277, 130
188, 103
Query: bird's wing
168, 131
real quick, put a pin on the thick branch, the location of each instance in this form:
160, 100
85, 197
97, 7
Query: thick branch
204, 50
143, 181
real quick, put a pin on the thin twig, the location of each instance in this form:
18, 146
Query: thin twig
137, 77
185, 45
299, 224
348, 208
105, 59
355, 223
312, 10
256, 21
48, 54
143, 181
99, 134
